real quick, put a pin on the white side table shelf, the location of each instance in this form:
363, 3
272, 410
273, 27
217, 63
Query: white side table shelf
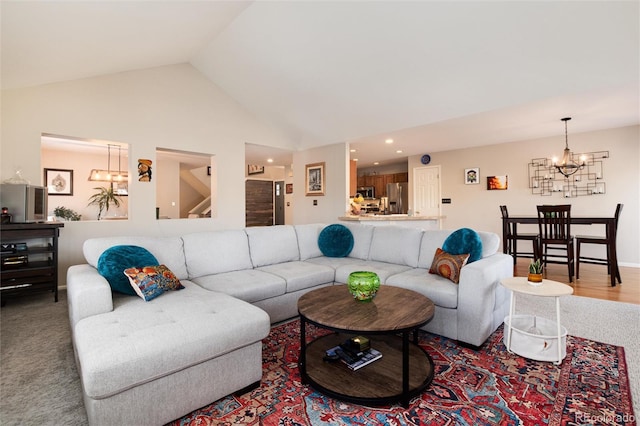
531, 345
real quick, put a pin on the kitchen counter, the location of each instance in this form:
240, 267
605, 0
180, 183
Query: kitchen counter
423, 222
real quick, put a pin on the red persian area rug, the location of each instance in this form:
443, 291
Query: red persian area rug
485, 387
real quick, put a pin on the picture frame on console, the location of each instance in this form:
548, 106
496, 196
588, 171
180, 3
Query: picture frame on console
314, 179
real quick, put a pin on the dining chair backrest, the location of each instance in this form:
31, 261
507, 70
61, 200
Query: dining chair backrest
505, 213
617, 214
554, 222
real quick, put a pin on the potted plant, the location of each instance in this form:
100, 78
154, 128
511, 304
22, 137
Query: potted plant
103, 199
535, 272
66, 214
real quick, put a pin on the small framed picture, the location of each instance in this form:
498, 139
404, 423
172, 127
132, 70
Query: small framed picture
497, 182
255, 170
120, 188
59, 181
314, 179
472, 176
288, 188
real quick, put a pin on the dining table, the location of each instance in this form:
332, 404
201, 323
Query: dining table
609, 223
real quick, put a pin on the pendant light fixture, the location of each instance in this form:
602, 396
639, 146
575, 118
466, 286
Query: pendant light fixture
99, 175
568, 166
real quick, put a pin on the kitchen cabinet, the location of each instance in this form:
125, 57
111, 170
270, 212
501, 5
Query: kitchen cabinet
379, 182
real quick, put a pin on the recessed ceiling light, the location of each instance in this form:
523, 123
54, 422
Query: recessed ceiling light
399, 151
376, 163
352, 150
389, 141
269, 160
355, 159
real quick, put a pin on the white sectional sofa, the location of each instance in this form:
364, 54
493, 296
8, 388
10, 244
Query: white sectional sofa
152, 362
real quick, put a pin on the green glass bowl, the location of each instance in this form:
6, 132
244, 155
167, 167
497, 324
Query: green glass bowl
363, 285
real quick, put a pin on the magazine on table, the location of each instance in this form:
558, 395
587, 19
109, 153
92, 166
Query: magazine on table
354, 361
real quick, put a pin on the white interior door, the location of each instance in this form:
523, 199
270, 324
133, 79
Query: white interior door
426, 190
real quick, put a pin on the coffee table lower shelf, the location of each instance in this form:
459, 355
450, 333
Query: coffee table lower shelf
378, 383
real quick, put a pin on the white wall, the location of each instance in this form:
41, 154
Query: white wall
336, 198
474, 206
170, 107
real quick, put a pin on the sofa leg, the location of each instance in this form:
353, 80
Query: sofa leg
249, 388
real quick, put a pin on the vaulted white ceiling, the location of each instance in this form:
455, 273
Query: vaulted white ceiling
432, 75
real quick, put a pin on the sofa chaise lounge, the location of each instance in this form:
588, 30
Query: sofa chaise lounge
152, 362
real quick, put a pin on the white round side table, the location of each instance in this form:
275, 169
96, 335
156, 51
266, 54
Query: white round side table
548, 288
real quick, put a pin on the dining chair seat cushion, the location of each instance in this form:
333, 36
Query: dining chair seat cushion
464, 241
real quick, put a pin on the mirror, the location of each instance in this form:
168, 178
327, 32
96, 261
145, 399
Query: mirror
183, 184
72, 170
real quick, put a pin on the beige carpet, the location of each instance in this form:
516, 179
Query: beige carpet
39, 384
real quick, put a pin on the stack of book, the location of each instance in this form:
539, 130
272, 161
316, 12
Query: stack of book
353, 360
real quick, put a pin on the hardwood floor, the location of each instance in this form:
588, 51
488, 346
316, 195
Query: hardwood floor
594, 281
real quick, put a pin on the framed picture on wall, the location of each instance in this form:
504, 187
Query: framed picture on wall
59, 181
497, 182
288, 188
472, 176
255, 170
314, 179
120, 188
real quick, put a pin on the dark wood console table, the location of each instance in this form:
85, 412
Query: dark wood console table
29, 258
608, 222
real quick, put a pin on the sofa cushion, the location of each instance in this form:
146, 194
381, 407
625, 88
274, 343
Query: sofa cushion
214, 252
272, 244
490, 243
114, 260
117, 351
448, 265
383, 269
441, 291
335, 241
396, 244
150, 282
431, 241
362, 235
168, 250
464, 241
301, 275
308, 240
250, 285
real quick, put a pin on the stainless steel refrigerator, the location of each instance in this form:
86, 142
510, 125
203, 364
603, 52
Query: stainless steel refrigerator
398, 195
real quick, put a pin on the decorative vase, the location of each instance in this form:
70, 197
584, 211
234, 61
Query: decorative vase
363, 285
534, 279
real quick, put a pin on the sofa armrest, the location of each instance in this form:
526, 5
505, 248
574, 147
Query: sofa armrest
479, 282
88, 293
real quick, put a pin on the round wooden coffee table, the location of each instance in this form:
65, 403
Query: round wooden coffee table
404, 370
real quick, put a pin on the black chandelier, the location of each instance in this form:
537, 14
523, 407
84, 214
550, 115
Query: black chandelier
568, 166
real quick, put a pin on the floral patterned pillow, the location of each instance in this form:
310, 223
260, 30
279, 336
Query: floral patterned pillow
150, 282
448, 265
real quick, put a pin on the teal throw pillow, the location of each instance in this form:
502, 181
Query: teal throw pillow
464, 241
114, 260
335, 241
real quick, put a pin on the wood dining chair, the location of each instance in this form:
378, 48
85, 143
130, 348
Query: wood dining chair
609, 241
512, 236
556, 241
